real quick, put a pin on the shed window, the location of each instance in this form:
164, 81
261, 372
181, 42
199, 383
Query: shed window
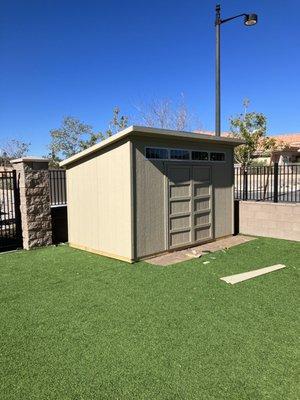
200, 155
217, 156
179, 154
156, 153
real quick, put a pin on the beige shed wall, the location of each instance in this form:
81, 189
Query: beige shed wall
99, 202
150, 183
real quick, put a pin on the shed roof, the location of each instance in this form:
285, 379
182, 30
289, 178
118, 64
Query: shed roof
135, 130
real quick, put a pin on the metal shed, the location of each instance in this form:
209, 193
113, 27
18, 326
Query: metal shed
146, 191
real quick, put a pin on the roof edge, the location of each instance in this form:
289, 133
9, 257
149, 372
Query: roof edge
29, 159
97, 146
136, 129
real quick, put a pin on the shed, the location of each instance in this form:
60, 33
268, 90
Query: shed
146, 191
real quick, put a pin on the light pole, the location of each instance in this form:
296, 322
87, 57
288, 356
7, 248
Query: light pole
249, 20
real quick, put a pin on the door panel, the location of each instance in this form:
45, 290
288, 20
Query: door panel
180, 222
179, 205
180, 191
202, 204
189, 204
202, 218
179, 174
180, 238
202, 233
202, 189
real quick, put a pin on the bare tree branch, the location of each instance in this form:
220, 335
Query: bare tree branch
163, 113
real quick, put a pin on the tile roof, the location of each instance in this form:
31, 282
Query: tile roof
292, 139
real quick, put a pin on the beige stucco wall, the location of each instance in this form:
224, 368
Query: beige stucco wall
277, 220
99, 202
150, 213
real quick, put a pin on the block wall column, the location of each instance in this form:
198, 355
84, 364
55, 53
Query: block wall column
34, 187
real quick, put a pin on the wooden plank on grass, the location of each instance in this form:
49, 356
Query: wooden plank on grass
232, 279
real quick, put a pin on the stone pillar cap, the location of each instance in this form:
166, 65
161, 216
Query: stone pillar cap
30, 159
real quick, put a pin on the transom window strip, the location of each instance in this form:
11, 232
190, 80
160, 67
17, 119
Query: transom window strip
200, 155
158, 153
217, 156
179, 154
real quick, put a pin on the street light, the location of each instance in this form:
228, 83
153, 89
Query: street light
249, 20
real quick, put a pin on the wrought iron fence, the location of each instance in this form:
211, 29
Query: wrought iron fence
277, 183
58, 194
10, 220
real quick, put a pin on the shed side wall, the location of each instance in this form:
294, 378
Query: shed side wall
151, 194
99, 202
150, 203
223, 198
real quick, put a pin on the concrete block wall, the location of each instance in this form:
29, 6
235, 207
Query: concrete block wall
277, 220
34, 188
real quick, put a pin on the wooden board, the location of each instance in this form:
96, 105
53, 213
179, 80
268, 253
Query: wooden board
233, 279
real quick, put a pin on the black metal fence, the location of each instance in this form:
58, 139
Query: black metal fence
58, 194
277, 183
10, 219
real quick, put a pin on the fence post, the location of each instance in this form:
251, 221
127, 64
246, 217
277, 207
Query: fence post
276, 182
34, 192
245, 184
17, 206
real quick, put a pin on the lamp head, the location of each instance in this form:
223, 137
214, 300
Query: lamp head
250, 19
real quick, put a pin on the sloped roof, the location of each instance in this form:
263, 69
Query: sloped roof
152, 132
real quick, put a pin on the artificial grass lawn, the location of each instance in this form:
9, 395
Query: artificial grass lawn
75, 325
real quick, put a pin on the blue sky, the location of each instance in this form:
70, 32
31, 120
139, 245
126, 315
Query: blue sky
82, 58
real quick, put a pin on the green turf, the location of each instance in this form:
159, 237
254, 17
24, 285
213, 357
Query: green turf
74, 325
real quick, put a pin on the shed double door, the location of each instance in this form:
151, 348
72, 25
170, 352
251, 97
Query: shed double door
189, 205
